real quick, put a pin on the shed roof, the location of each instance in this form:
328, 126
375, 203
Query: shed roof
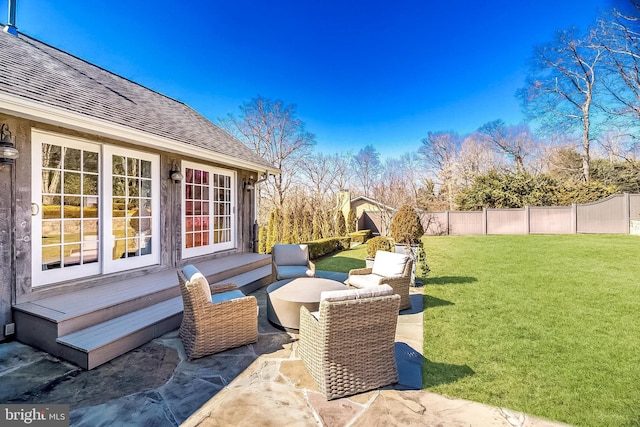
35, 71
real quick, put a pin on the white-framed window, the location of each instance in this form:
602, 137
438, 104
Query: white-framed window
208, 209
84, 221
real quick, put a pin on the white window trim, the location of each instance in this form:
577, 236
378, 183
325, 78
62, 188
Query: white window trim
212, 247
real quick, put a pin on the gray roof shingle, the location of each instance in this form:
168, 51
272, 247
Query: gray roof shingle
36, 71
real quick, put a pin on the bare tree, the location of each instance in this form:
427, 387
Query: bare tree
439, 151
621, 41
272, 129
475, 158
367, 167
320, 174
341, 162
560, 86
517, 142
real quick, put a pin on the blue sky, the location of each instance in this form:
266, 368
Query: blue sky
360, 72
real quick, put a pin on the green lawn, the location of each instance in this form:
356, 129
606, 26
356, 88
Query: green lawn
548, 325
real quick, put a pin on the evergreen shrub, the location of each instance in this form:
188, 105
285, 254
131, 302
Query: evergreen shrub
379, 243
406, 227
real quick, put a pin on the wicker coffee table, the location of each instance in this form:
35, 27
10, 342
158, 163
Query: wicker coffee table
285, 297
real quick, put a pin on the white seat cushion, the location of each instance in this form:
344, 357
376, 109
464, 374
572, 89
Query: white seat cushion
364, 280
350, 294
389, 264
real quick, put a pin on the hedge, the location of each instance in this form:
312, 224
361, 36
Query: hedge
360, 236
321, 247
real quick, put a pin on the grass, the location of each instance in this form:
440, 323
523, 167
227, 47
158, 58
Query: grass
343, 261
547, 325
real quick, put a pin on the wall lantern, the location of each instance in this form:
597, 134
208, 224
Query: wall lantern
176, 175
248, 184
8, 153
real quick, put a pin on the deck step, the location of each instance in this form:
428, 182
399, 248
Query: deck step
95, 345
252, 280
102, 342
94, 325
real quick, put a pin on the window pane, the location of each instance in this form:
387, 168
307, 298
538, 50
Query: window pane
90, 207
90, 185
133, 185
145, 188
90, 162
118, 165
71, 207
71, 183
51, 156
72, 254
72, 159
133, 167
118, 187
51, 181
145, 205
132, 207
145, 169
51, 207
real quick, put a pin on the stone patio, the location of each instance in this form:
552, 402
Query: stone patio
264, 384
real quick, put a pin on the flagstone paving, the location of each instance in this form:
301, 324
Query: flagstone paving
263, 384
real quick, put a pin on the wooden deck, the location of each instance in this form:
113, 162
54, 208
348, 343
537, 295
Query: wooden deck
92, 326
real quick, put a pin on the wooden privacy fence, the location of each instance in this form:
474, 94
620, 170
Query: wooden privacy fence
607, 216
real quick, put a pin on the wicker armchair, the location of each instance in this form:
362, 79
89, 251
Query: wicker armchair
390, 268
348, 346
291, 261
215, 317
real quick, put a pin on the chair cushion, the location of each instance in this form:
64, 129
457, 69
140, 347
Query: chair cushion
351, 294
365, 280
291, 255
196, 278
226, 296
293, 271
389, 264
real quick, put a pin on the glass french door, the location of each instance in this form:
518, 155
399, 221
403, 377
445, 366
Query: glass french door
76, 210
208, 210
66, 209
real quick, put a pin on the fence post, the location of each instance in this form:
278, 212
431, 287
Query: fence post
448, 222
527, 220
574, 218
484, 220
627, 212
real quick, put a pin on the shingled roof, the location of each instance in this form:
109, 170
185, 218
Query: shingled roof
38, 72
